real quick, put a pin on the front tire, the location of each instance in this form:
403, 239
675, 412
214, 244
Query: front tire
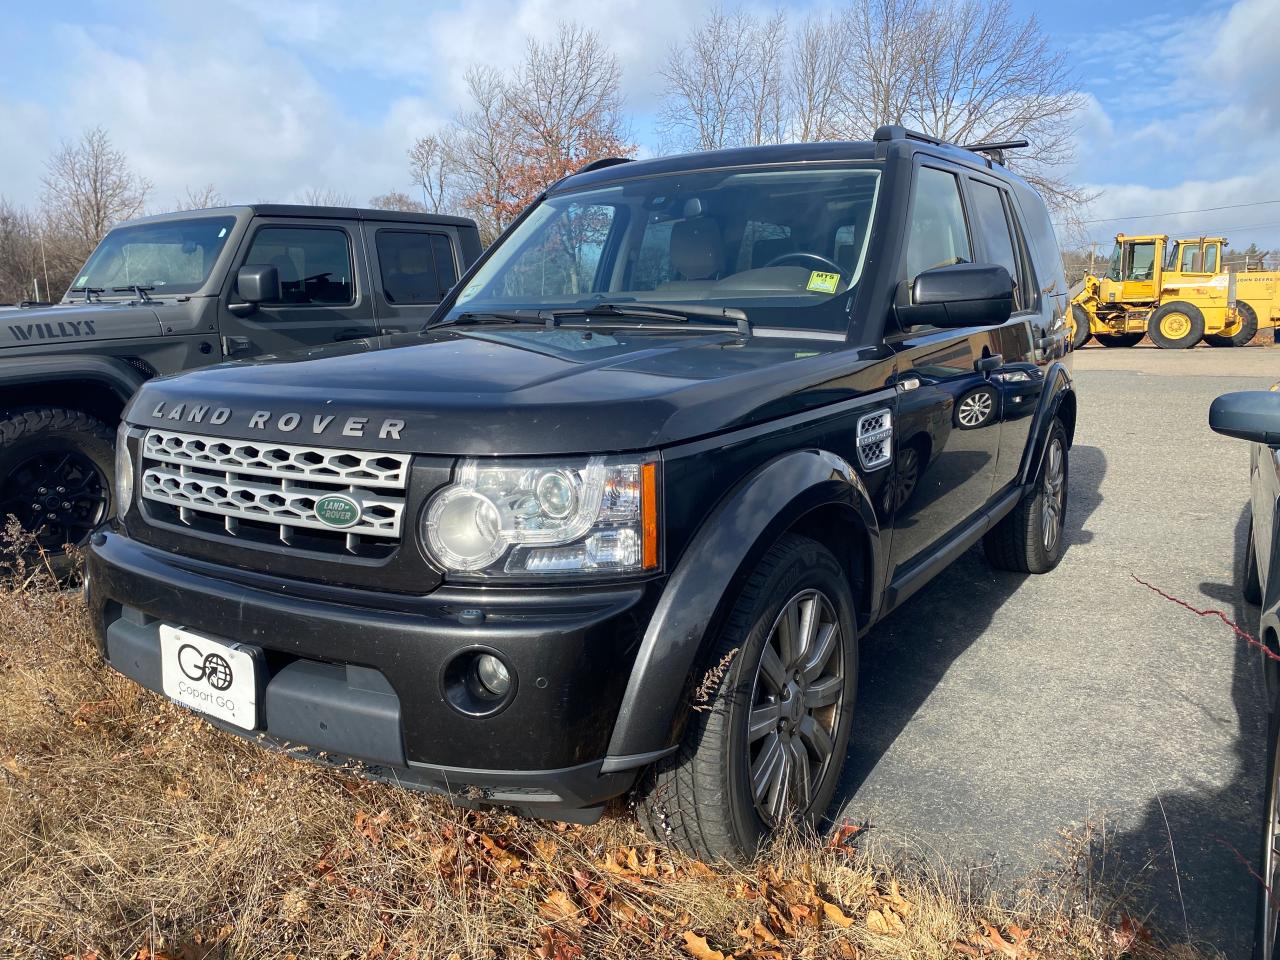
1176, 326
768, 743
1030, 538
1080, 320
55, 479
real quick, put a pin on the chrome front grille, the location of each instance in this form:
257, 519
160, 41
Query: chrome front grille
239, 487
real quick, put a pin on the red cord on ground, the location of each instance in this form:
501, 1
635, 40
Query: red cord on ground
1238, 630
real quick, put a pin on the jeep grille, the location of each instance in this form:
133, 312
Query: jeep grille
259, 491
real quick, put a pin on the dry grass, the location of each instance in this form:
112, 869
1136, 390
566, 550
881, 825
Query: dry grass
129, 828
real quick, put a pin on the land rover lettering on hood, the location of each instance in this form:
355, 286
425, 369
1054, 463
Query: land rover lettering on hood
615, 517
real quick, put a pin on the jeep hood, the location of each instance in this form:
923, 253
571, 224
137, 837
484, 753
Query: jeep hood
68, 323
507, 390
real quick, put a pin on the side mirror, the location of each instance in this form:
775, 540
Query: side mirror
1248, 415
258, 283
960, 295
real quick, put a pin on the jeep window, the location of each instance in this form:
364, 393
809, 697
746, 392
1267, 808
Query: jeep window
785, 245
938, 237
416, 267
992, 223
314, 263
174, 256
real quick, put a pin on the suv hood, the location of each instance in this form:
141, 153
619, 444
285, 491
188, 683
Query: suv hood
69, 322
507, 390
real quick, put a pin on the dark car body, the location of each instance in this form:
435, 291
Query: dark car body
753, 433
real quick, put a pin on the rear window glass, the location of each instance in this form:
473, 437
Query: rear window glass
415, 267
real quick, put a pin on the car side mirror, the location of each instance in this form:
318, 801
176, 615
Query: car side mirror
959, 295
258, 283
1248, 415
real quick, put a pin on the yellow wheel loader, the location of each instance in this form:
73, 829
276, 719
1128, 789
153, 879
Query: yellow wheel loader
1177, 300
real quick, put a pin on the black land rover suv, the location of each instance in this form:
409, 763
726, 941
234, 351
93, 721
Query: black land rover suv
619, 515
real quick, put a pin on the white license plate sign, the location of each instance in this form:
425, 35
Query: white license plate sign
209, 676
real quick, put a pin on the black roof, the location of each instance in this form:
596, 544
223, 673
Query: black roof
886, 139
299, 210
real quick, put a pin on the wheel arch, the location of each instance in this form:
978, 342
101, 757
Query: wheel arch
97, 386
1057, 402
811, 492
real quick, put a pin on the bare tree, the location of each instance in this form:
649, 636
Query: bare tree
483, 152
397, 200
429, 167
89, 187
814, 77
724, 86
200, 198
325, 197
24, 270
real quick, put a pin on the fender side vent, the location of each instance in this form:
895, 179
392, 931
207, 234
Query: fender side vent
875, 439
144, 368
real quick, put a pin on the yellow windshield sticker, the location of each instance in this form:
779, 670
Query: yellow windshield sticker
820, 282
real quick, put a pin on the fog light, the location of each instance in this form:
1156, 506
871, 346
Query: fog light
492, 674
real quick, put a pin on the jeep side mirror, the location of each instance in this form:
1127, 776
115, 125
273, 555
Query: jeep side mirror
258, 283
959, 295
1248, 415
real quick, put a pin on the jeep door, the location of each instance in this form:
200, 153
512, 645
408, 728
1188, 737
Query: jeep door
324, 294
948, 427
413, 266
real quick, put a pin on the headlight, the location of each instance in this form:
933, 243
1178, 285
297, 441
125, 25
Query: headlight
506, 518
124, 471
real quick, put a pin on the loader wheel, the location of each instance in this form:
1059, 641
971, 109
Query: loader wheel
1176, 326
1080, 322
1118, 339
1245, 332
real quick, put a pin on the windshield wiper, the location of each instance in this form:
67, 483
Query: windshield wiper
492, 316
89, 292
139, 291
670, 312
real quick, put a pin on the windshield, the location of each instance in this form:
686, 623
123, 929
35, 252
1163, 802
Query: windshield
170, 257
1113, 265
784, 245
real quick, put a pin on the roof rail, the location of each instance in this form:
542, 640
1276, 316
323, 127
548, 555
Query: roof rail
602, 163
995, 148
894, 132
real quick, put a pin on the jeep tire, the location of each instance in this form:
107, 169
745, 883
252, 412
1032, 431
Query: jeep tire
1030, 538
56, 468
769, 717
1176, 326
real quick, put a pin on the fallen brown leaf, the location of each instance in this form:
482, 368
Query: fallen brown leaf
699, 949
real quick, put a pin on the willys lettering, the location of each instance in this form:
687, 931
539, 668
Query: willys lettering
52, 331
289, 422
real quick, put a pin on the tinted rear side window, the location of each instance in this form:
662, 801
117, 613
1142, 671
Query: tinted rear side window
993, 225
416, 267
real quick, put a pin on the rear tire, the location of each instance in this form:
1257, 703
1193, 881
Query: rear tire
770, 741
1176, 326
1118, 339
56, 467
1248, 329
1080, 318
1030, 538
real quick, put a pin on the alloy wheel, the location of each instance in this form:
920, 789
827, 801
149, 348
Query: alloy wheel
1053, 495
58, 496
975, 408
795, 706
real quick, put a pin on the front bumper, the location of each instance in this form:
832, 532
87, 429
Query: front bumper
359, 675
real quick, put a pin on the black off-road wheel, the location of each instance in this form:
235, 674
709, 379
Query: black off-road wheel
1080, 321
770, 717
1247, 331
1030, 538
55, 479
1176, 326
1119, 339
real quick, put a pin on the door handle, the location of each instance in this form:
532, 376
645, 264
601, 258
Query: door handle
233, 345
987, 364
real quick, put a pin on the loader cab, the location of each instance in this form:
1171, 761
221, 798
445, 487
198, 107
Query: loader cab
1198, 256
1133, 274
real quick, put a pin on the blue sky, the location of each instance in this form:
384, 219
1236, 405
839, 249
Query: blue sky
265, 101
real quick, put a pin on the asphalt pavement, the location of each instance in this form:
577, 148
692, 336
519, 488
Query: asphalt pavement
996, 710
